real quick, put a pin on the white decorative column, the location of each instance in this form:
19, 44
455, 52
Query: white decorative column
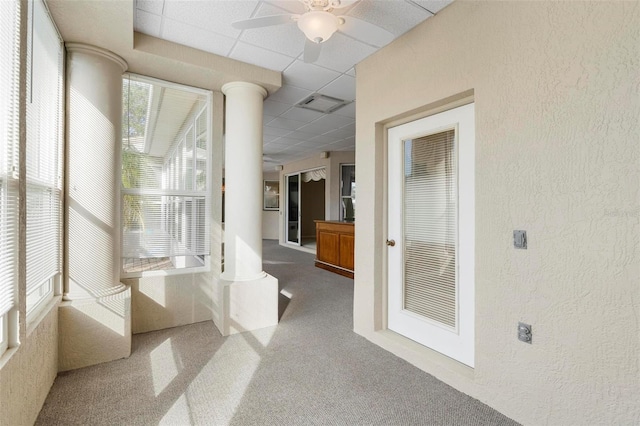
250, 296
95, 315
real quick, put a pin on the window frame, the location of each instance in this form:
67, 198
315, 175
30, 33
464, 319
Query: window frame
170, 167
49, 287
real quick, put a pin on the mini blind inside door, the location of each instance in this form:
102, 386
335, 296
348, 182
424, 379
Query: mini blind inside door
430, 198
9, 79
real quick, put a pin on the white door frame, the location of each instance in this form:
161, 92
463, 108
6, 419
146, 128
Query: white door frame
456, 343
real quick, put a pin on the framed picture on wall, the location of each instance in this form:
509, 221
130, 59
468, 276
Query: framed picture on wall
271, 198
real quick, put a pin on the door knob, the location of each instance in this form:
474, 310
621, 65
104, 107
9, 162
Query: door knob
391, 243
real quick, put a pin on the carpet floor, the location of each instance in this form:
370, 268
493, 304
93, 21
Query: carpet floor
310, 369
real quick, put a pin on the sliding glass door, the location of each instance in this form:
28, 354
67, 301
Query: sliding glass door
293, 209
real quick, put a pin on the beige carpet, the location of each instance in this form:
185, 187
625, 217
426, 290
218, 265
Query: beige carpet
311, 369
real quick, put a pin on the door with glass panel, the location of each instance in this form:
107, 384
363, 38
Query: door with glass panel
431, 232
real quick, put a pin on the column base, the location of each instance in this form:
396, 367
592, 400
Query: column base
95, 330
248, 305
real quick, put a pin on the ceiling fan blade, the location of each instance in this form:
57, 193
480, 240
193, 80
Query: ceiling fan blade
264, 21
311, 51
365, 31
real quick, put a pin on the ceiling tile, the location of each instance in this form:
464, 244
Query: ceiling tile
286, 38
302, 114
290, 95
326, 124
196, 38
274, 108
343, 132
323, 139
267, 118
344, 87
275, 131
152, 6
268, 138
348, 110
293, 6
341, 53
214, 15
289, 141
352, 72
301, 136
308, 76
283, 123
433, 6
147, 23
259, 56
397, 17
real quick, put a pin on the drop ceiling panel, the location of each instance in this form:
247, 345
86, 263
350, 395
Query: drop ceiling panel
302, 136
343, 132
323, 139
196, 37
290, 95
283, 123
215, 16
397, 17
259, 56
147, 23
340, 53
433, 6
293, 6
348, 110
275, 131
344, 87
275, 108
308, 76
302, 114
152, 6
326, 124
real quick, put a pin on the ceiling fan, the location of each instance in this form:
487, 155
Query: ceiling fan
318, 24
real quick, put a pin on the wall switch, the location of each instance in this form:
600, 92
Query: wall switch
520, 239
524, 332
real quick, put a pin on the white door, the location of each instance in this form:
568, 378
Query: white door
431, 232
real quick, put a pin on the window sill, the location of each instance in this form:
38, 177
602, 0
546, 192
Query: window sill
168, 272
34, 322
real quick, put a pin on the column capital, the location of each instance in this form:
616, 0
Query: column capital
244, 85
98, 51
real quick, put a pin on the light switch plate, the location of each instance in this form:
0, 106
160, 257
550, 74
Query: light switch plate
520, 239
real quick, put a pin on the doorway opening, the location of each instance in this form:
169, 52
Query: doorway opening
305, 203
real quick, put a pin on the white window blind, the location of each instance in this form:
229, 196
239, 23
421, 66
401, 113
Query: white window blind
164, 176
43, 156
430, 227
9, 140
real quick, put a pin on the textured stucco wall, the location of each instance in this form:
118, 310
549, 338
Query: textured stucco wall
28, 374
557, 102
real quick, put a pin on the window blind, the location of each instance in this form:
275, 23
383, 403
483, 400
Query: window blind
164, 176
43, 154
430, 186
9, 140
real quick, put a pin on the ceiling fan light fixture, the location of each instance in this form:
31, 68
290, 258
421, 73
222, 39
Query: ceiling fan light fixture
318, 25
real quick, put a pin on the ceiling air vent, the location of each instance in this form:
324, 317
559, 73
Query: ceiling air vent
322, 103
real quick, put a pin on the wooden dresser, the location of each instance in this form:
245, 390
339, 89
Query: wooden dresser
335, 243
